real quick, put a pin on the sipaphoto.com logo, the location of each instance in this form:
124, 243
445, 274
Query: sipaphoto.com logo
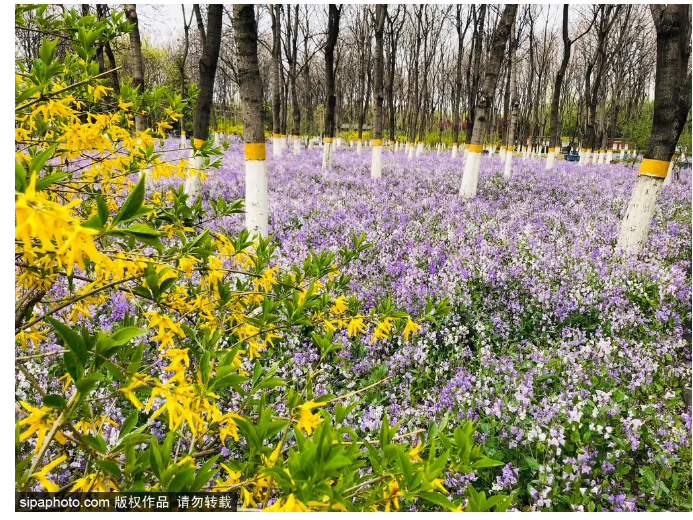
126, 501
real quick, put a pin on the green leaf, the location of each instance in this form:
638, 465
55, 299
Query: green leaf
102, 209
109, 466
486, 463
47, 49
73, 366
54, 401
143, 229
136, 361
532, 463
128, 424
86, 385
132, 203
95, 442
336, 463
438, 499
125, 334
492, 501
181, 479
44, 182
19, 178
72, 340
39, 161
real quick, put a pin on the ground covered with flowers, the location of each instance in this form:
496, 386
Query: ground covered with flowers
569, 358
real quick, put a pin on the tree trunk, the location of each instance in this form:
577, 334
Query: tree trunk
275, 11
377, 152
245, 34
671, 106
458, 83
470, 177
293, 59
415, 101
102, 12
514, 104
200, 25
137, 67
181, 70
203, 105
331, 101
476, 74
554, 136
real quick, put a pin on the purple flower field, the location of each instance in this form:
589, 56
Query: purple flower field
569, 357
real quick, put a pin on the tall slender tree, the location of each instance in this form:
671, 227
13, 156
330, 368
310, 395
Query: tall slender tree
334, 14
458, 78
203, 104
378, 94
137, 63
275, 12
245, 34
672, 104
554, 136
514, 103
470, 177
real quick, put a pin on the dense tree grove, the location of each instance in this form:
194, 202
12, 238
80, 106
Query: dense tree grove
612, 55
445, 288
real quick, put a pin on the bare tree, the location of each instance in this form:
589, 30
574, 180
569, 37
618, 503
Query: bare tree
672, 104
136, 56
470, 177
378, 95
203, 105
334, 13
245, 33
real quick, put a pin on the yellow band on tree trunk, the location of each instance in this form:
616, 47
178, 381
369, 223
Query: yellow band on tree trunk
198, 142
296, 136
276, 136
328, 139
654, 168
377, 142
182, 132
511, 148
477, 148
254, 151
454, 144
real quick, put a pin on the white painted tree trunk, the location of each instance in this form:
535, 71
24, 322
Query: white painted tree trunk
641, 208
594, 155
358, 147
669, 176
217, 141
502, 154
550, 158
411, 152
183, 143
470, 177
377, 161
276, 145
507, 170
297, 145
256, 197
419, 149
454, 150
609, 156
326, 154
193, 184
600, 158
